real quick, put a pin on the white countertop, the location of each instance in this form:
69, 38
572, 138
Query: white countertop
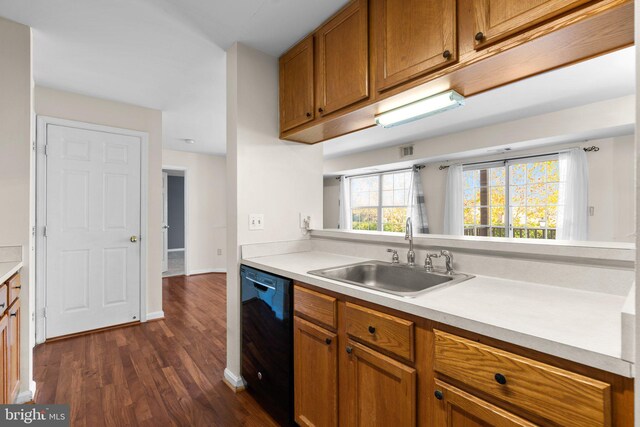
581, 326
8, 269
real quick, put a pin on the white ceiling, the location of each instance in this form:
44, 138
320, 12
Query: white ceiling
605, 77
162, 54
170, 55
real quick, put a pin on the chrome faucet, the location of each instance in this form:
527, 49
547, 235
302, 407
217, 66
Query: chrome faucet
394, 258
411, 255
448, 260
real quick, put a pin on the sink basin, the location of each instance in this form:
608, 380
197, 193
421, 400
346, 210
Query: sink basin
395, 279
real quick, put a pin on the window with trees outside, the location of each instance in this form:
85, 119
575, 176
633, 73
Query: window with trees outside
514, 198
379, 202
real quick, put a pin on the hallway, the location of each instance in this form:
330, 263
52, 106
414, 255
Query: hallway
160, 373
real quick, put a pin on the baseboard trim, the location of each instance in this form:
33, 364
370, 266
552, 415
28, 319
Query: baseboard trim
92, 331
24, 397
235, 382
207, 271
156, 315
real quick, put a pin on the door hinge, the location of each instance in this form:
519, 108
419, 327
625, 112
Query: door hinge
44, 312
46, 149
33, 145
45, 231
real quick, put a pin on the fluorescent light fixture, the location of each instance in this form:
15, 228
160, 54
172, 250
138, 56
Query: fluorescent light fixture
420, 109
189, 141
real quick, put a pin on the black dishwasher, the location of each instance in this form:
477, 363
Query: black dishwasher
267, 341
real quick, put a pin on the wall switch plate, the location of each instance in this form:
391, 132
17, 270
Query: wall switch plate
305, 220
219, 251
256, 221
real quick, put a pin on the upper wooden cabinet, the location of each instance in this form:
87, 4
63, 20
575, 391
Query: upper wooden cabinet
343, 59
296, 85
497, 19
412, 37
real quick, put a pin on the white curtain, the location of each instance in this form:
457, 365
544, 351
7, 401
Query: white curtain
345, 203
453, 214
416, 208
573, 195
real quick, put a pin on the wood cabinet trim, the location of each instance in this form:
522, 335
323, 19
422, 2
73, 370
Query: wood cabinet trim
532, 385
305, 47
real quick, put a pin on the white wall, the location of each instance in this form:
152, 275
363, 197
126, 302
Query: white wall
265, 175
16, 164
331, 203
71, 106
206, 224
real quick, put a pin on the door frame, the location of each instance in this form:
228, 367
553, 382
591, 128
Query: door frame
185, 171
41, 212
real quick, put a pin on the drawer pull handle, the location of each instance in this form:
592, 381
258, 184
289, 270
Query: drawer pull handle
17, 287
372, 330
349, 350
438, 395
328, 341
500, 379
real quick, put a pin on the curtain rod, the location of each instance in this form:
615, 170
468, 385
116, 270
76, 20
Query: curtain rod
587, 149
382, 172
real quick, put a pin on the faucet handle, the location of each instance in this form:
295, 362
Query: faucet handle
428, 262
395, 259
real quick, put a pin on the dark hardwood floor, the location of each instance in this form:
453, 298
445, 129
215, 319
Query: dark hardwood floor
161, 373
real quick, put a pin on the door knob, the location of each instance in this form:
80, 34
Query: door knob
165, 227
133, 239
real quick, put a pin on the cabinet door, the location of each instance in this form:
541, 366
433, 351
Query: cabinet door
343, 59
296, 85
315, 374
497, 19
4, 359
14, 350
412, 37
457, 408
379, 390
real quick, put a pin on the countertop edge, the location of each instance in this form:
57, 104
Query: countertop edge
579, 355
12, 271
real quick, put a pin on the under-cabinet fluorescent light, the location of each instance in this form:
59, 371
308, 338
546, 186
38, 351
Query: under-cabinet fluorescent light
420, 109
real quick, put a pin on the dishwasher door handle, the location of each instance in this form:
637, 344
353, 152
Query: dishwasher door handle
264, 285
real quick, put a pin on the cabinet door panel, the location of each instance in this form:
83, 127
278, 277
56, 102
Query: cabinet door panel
460, 409
14, 350
315, 375
497, 19
343, 59
411, 38
379, 391
296, 85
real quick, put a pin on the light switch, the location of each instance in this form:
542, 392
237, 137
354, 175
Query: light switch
256, 221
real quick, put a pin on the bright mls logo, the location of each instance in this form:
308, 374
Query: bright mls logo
34, 415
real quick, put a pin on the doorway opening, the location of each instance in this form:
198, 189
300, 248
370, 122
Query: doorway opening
174, 225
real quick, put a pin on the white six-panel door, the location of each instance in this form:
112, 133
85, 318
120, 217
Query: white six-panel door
93, 229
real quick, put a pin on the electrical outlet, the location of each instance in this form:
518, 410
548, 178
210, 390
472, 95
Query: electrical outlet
256, 221
305, 220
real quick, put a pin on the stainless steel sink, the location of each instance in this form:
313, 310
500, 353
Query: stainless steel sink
395, 279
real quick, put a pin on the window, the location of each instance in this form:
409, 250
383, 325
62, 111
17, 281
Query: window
379, 202
515, 198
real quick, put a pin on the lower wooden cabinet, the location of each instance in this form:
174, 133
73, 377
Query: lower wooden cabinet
14, 349
315, 374
379, 390
359, 364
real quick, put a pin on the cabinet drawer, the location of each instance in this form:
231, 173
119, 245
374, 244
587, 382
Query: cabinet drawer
4, 298
315, 306
560, 396
14, 286
381, 330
